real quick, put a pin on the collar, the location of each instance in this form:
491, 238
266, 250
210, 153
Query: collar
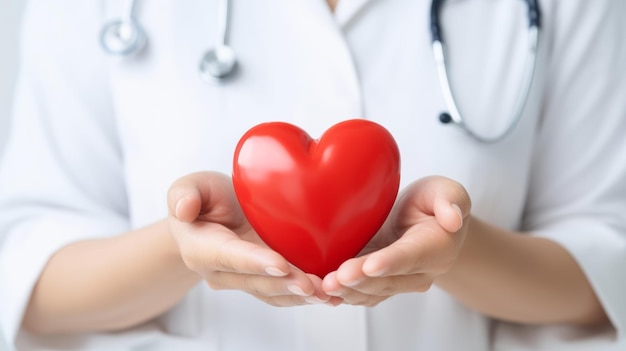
346, 10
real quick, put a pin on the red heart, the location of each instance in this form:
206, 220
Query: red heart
317, 203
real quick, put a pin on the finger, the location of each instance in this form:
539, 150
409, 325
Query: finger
205, 193
451, 202
330, 283
423, 249
349, 296
356, 298
187, 208
294, 300
295, 283
319, 295
350, 273
283, 301
438, 196
393, 285
372, 291
448, 214
340, 283
207, 247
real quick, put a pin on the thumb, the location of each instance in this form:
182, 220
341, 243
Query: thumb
185, 203
449, 215
451, 204
444, 198
201, 193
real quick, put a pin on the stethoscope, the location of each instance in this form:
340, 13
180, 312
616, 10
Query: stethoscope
453, 115
125, 37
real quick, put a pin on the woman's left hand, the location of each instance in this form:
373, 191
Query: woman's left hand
420, 240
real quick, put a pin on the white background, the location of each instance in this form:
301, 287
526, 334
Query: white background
10, 16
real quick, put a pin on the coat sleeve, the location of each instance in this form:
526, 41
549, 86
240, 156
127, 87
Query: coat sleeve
61, 177
578, 180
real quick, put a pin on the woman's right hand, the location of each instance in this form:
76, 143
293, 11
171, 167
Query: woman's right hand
216, 241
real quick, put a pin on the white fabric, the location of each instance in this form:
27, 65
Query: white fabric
96, 142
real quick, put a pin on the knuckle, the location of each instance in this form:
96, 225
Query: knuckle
221, 262
250, 287
273, 302
444, 266
374, 302
190, 261
294, 301
356, 299
424, 286
267, 300
413, 257
389, 288
215, 285
288, 301
282, 301
216, 281
364, 301
190, 264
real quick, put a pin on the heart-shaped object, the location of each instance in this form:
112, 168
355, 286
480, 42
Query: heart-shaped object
317, 202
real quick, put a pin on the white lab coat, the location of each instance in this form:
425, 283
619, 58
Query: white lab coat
96, 142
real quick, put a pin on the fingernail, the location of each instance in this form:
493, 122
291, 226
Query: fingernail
178, 206
334, 302
314, 300
334, 293
296, 290
275, 272
351, 283
371, 270
458, 210
376, 274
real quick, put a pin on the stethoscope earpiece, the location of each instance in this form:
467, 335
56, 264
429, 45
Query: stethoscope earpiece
122, 37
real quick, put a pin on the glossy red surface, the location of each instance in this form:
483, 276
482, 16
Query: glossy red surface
317, 202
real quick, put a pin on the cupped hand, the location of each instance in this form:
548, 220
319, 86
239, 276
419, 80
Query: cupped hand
217, 242
419, 241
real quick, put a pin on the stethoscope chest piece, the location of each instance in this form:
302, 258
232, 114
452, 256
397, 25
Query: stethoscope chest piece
217, 64
220, 62
123, 37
